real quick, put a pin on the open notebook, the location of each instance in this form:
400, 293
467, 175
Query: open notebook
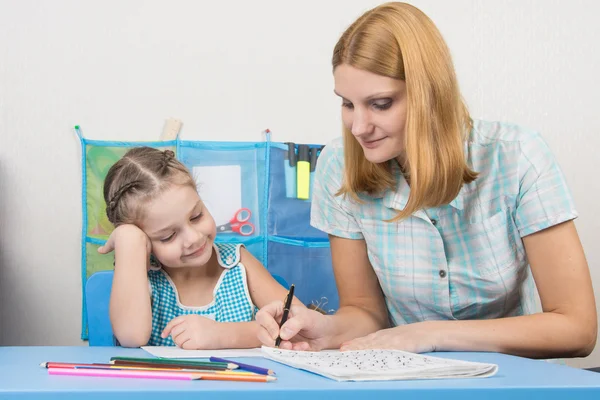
378, 365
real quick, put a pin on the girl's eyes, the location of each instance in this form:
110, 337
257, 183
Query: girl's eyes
349, 106
168, 239
196, 217
172, 235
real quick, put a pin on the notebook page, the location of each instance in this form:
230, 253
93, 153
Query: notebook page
375, 365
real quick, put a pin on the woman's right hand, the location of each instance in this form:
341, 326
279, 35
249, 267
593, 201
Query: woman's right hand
128, 234
304, 329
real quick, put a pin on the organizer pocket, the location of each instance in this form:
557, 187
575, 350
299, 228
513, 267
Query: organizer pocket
96, 262
288, 215
99, 159
229, 178
307, 265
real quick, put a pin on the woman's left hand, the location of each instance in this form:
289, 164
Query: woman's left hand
419, 337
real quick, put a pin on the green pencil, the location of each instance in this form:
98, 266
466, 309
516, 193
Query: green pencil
175, 361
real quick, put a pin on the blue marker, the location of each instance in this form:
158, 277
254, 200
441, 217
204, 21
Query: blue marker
289, 166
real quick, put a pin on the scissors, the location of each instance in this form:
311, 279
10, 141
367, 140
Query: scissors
238, 223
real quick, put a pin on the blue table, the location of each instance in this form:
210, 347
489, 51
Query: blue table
518, 378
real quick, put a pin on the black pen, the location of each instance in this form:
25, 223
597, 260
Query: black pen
286, 310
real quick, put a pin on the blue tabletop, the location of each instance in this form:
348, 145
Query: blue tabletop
517, 378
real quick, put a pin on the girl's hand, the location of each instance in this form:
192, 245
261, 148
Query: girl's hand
304, 329
127, 236
192, 332
126, 233
419, 337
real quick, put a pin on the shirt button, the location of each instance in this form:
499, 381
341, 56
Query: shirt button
442, 273
434, 222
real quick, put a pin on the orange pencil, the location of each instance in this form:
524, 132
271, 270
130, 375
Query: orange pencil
209, 376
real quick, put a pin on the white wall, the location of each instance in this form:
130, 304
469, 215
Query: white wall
229, 70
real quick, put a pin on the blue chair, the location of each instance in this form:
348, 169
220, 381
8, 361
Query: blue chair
97, 295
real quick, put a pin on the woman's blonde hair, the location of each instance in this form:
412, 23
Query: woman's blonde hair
399, 41
138, 177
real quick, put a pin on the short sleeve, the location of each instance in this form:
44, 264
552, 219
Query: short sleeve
330, 213
544, 199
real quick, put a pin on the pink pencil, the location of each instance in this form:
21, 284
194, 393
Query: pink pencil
123, 373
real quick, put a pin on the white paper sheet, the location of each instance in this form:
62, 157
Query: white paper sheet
176, 352
220, 188
378, 365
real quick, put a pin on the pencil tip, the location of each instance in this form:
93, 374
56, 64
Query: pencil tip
232, 366
271, 378
43, 364
271, 372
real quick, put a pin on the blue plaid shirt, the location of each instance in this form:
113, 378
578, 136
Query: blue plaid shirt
231, 302
464, 260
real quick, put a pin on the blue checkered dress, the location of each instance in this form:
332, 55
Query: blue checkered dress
231, 303
466, 259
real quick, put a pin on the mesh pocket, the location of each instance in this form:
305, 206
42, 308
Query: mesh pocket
229, 178
307, 265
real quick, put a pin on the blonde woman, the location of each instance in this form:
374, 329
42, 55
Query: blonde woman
443, 229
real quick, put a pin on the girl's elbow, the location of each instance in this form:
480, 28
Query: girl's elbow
588, 341
133, 339
129, 336
585, 337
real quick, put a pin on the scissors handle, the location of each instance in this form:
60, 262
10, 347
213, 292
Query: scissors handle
243, 229
242, 215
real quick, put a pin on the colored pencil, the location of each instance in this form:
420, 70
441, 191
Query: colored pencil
175, 361
169, 365
207, 375
171, 369
235, 377
52, 364
247, 367
109, 373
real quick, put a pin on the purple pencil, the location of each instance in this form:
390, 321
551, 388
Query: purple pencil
247, 367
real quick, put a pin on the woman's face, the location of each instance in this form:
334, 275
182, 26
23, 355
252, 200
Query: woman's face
374, 110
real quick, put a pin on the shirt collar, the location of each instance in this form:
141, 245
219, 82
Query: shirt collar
397, 199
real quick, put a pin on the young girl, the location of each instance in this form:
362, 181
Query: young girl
173, 285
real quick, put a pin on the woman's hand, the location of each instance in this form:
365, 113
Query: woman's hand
304, 329
419, 337
193, 332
